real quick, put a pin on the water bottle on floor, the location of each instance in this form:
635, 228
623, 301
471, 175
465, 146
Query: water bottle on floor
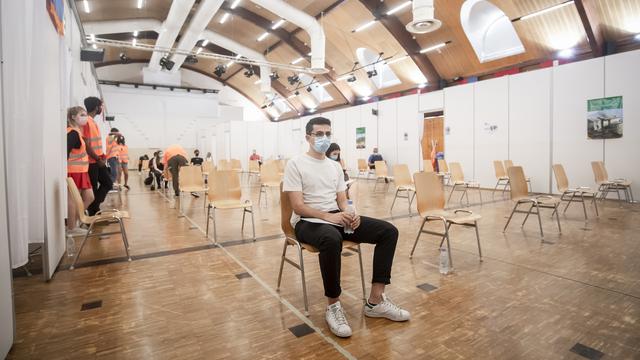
351, 209
444, 261
71, 246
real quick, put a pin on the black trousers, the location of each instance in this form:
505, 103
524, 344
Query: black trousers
101, 183
174, 165
328, 240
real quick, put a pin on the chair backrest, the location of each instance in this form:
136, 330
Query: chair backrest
604, 170
281, 165
362, 165
599, 172
442, 166
224, 164
285, 214
77, 201
208, 167
269, 172
401, 175
427, 165
145, 165
236, 165
190, 176
254, 166
429, 192
508, 164
381, 169
456, 172
561, 178
499, 169
224, 185
518, 183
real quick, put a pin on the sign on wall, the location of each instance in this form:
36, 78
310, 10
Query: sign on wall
604, 118
360, 138
55, 8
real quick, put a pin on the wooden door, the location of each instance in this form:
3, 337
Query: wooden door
433, 131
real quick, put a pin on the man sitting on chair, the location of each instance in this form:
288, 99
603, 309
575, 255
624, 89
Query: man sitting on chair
316, 189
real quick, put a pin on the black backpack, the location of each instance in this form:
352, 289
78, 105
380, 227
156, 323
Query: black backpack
148, 180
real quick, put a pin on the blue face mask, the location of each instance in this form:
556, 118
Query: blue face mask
334, 157
321, 144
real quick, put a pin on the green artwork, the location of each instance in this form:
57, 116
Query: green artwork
360, 138
604, 118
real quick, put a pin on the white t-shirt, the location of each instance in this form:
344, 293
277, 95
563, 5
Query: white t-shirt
318, 180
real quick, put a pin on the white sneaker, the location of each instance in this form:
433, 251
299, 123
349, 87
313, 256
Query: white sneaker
337, 321
387, 309
77, 232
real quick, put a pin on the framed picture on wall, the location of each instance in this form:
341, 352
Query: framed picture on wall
604, 118
55, 8
360, 138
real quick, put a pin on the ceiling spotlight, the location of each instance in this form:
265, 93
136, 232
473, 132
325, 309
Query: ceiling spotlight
309, 89
249, 73
220, 69
293, 79
166, 63
372, 73
351, 78
191, 59
124, 58
274, 76
566, 53
297, 93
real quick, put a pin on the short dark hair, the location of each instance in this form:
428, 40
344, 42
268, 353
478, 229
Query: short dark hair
92, 103
333, 147
114, 130
317, 121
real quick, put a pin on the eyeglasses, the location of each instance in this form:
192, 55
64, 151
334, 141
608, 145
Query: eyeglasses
321, 134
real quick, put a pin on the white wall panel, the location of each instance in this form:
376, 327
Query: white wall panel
238, 146
622, 76
255, 137
409, 118
530, 125
270, 134
352, 121
491, 110
573, 85
431, 101
387, 134
458, 118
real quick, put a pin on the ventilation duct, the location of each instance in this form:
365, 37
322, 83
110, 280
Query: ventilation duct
424, 20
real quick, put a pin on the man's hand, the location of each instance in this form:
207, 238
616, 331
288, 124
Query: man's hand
355, 222
340, 218
101, 163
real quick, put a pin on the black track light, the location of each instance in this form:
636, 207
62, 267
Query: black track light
351, 78
124, 58
296, 93
372, 73
309, 89
274, 76
191, 59
249, 73
220, 69
166, 63
293, 80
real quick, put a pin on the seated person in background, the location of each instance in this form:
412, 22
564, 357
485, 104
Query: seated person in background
196, 160
255, 156
155, 169
373, 158
143, 157
316, 189
208, 157
333, 153
174, 158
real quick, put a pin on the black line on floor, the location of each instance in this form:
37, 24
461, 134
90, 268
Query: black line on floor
586, 351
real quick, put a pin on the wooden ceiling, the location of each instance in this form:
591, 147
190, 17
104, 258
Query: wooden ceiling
542, 36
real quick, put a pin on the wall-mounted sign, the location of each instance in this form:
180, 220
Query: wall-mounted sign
360, 138
604, 118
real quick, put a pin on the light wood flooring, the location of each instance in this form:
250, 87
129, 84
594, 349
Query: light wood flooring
183, 297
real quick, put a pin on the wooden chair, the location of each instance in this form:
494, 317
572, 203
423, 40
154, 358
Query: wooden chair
569, 195
236, 165
443, 170
145, 166
430, 195
382, 173
457, 178
208, 167
225, 194
103, 216
269, 178
190, 180
427, 165
254, 169
281, 166
605, 186
501, 177
508, 164
520, 195
403, 183
363, 168
224, 165
290, 240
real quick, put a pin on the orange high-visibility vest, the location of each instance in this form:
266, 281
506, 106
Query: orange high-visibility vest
124, 154
172, 151
78, 161
94, 140
113, 149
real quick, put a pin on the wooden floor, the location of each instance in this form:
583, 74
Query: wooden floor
182, 297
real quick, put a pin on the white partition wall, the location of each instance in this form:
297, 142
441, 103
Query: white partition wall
622, 75
238, 146
491, 118
530, 126
352, 121
255, 137
458, 119
431, 101
270, 133
573, 85
387, 130
409, 123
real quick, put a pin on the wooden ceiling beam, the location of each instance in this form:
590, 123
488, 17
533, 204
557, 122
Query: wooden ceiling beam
296, 44
405, 39
592, 26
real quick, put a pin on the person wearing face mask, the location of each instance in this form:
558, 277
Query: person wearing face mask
98, 171
196, 160
155, 169
77, 166
123, 160
113, 155
333, 153
316, 189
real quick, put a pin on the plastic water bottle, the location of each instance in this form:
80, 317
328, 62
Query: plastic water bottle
444, 261
351, 209
71, 246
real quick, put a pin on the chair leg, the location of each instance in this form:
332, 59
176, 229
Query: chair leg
244, 212
394, 200
84, 240
558, 217
451, 193
253, 225
417, 238
304, 282
595, 203
495, 188
208, 217
284, 253
364, 290
446, 234
527, 217
125, 242
540, 219
480, 194
475, 223
510, 216
215, 232
409, 199
447, 227
584, 206
568, 203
